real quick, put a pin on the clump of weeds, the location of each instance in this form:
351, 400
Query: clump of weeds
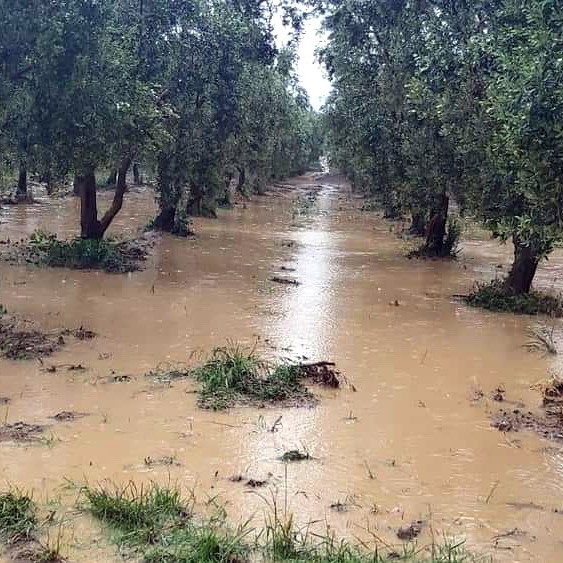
495, 296
45, 249
18, 516
159, 526
156, 522
237, 375
19, 530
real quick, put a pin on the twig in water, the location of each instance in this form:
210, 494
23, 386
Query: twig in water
492, 491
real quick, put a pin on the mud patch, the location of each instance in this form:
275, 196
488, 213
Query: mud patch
549, 425
68, 416
21, 432
163, 461
19, 340
321, 373
79, 333
295, 455
410, 532
252, 483
284, 281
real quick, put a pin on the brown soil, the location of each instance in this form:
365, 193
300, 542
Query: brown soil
21, 432
410, 532
80, 333
553, 393
22, 340
547, 422
31, 551
548, 425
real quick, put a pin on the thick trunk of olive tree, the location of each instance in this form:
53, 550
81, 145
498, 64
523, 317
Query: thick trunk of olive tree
436, 230
90, 226
136, 174
21, 190
164, 221
526, 260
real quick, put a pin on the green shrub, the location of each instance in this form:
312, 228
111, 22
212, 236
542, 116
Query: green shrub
85, 254
495, 296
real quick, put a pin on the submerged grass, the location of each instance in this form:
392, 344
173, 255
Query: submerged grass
495, 297
157, 524
234, 374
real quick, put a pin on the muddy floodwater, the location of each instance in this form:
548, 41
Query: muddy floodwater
408, 439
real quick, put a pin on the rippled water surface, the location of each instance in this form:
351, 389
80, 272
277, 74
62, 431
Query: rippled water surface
410, 443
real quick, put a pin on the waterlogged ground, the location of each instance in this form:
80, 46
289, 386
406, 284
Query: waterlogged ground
412, 442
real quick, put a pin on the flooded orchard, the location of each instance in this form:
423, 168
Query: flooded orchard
407, 438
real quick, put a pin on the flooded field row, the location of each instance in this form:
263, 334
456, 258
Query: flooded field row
407, 439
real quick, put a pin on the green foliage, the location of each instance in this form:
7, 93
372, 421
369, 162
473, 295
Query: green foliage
83, 254
18, 519
139, 514
462, 99
495, 296
233, 375
159, 525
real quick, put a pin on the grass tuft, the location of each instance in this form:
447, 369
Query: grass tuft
18, 518
156, 522
138, 514
495, 297
234, 374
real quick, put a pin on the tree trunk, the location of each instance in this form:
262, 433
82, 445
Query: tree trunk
436, 231
89, 224
526, 260
120, 190
164, 221
195, 201
241, 180
136, 174
418, 224
112, 177
91, 227
21, 191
